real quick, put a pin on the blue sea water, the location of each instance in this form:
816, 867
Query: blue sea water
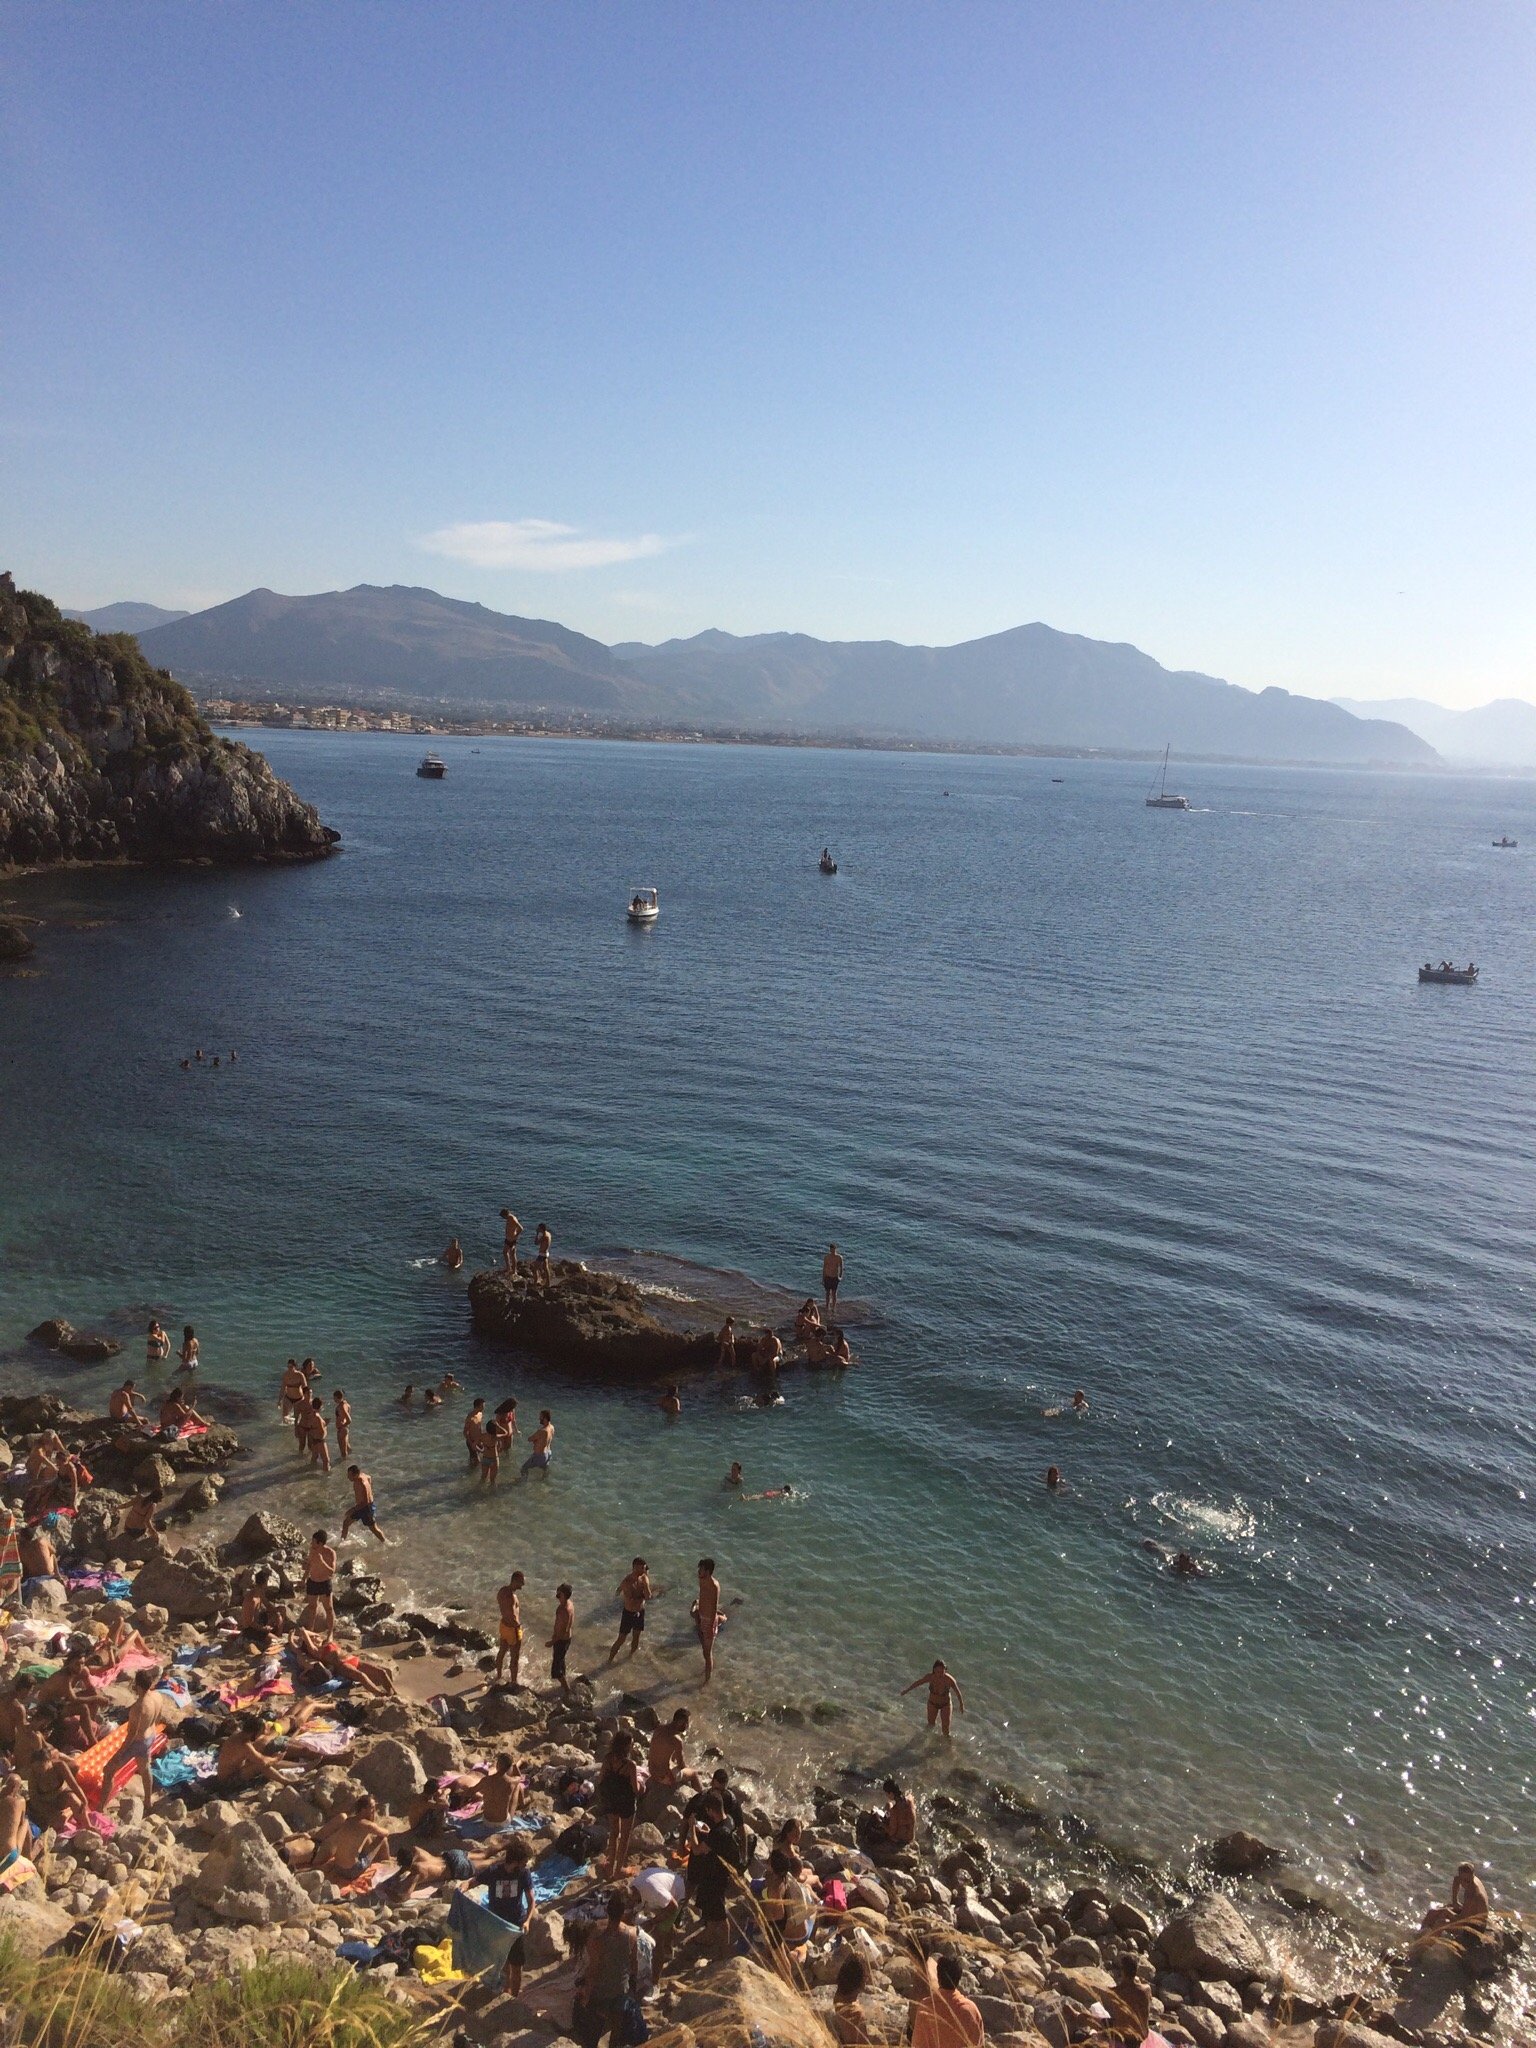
1091, 1096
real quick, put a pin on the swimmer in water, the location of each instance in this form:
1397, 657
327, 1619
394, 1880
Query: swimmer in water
433, 1398
784, 1492
671, 1404
734, 1478
453, 1257
1079, 1403
407, 1397
1054, 1480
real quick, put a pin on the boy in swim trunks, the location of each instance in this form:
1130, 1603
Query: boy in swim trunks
560, 1640
541, 1445
706, 1614
634, 1590
319, 1571
511, 1631
150, 1714
362, 1508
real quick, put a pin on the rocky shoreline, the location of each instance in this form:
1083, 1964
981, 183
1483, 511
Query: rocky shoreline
205, 1881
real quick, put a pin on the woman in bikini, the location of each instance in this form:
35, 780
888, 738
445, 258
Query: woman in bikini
618, 1794
189, 1349
157, 1346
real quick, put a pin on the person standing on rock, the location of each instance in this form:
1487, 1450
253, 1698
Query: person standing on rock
942, 1693
512, 1231
725, 1353
509, 1894
831, 1277
319, 1572
343, 1424
560, 1639
511, 1631
634, 1591
362, 1508
706, 1614
615, 1799
151, 1713
541, 1244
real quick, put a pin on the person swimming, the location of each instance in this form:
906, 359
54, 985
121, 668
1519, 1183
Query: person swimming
1053, 1478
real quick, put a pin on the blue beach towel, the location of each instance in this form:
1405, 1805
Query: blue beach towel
481, 1940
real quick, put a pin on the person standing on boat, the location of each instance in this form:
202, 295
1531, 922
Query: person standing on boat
831, 1276
509, 1237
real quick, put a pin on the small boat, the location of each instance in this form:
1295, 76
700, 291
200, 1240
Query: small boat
1506, 842
827, 864
1160, 797
1058, 778
1449, 976
643, 907
433, 768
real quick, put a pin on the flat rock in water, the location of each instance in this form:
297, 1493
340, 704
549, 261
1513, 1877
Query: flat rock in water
585, 1322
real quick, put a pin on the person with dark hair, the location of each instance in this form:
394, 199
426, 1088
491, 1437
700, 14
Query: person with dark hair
510, 1631
189, 1349
151, 1713
362, 1508
714, 1867
541, 1445
787, 1904
509, 1894
634, 1591
615, 1800
319, 1572
943, 1693
560, 1640
946, 2018
706, 1613
849, 2020
886, 1834
607, 1977
1130, 2004
509, 1237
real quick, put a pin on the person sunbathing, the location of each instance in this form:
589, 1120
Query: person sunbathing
317, 1656
246, 1757
344, 1847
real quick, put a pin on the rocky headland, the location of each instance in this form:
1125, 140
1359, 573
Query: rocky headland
215, 1878
104, 758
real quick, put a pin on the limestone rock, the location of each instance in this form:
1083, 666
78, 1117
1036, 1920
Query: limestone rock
260, 1534
1248, 2032
587, 1322
440, 1751
545, 1940
1212, 1939
31, 1923
120, 765
1348, 2034
739, 2001
87, 1349
186, 1586
16, 942
244, 1879
1203, 2026
156, 1951
1078, 1952
392, 1772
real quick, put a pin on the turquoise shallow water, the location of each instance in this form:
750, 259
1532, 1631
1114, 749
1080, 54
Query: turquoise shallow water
1092, 1096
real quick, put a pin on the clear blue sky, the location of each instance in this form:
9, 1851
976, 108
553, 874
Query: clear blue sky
1207, 326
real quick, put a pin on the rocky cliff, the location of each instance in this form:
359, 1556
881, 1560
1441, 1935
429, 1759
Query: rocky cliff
104, 758
585, 1322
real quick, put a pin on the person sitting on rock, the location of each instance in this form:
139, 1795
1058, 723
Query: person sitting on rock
55, 1796
888, 1833
139, 1532
946, 2018
807, 1318
1130, 2004
118, 1637
39, 1563
850, 2022
245, 1757
71, 1698
1465, 1919
123, 1408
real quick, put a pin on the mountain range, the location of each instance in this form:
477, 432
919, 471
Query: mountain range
127, 617
1031, 686
1500, 734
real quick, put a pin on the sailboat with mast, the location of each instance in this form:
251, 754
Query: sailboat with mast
1160, 797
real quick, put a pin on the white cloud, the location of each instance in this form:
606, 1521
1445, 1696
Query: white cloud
534, 544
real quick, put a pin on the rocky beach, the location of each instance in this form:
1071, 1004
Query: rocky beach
1058, 1941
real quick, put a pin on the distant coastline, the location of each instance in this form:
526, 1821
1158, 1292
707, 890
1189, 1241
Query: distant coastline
248, 714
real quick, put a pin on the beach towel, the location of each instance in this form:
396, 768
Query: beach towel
18, 1869
553, 1874
434, 1964
327, 1741
481, 1939
178, 1767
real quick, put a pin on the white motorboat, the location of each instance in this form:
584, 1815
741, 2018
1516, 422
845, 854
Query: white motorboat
644, 907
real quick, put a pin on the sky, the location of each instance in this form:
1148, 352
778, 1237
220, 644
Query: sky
1210, 327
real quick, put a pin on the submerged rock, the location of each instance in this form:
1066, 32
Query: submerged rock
585, 1322
85, 1347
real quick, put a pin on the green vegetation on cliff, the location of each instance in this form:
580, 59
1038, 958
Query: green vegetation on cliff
104, 757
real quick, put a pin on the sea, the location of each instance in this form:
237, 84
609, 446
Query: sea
1145, 1103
